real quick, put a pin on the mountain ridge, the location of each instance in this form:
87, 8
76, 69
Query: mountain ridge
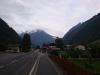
84, 32
7, 34
39, 37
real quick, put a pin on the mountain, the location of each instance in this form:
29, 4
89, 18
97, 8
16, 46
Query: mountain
7, 35
84, 32
39, 37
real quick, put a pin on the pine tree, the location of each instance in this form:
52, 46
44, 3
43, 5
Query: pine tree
59, 43
26, 43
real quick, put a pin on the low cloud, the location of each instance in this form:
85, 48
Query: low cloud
54, 16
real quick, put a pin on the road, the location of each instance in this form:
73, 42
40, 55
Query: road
31, 63
45, 67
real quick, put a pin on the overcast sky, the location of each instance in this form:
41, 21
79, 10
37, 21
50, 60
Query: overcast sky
54, 16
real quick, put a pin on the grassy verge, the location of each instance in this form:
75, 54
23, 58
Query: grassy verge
85, 64
94, 67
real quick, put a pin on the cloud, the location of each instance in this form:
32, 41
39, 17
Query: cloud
54, 16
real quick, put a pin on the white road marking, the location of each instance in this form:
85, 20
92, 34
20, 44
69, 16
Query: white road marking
13, 61
3, 66
33, 70
36, 67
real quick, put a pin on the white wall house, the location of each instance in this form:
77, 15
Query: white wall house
14, 47
80, 47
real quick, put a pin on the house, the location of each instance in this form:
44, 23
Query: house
52, 47
80, 47
67, 47
13, 48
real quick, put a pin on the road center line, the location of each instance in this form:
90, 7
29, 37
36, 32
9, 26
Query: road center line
34, 66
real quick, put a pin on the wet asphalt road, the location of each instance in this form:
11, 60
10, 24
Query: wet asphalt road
45, 67
31, 63
18, 64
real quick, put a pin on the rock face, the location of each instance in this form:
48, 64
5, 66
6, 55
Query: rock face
7, 35
84, 32
40, 37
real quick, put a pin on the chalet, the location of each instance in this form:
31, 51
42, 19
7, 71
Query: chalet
50, 47
80, 47
67, 47
13, 48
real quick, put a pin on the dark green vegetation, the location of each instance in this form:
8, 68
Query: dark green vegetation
26, 43
59, 43
85, 32
95, 49
88, 34
7, 35
94, 67
87, 63
88, 59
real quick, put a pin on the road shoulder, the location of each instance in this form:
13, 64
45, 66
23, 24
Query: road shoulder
56, 67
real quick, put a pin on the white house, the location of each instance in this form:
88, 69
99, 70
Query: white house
13, 47
80, 47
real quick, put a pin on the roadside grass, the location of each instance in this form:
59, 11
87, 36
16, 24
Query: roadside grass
94, 67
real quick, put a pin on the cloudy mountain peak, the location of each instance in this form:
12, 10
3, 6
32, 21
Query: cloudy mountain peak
39, 37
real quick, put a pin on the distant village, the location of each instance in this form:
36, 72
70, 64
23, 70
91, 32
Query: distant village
47, 47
